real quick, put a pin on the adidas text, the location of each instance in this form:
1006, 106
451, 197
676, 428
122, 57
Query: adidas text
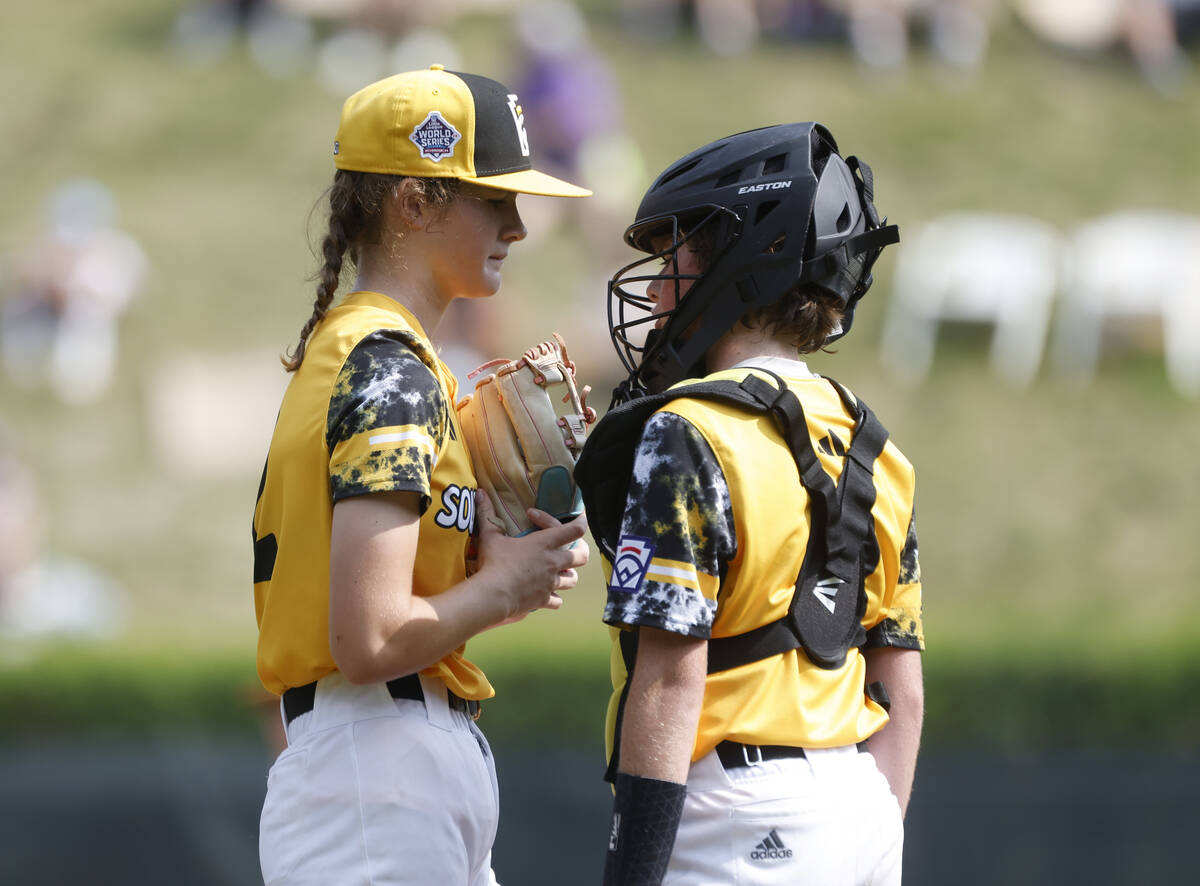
761, 854
764, 186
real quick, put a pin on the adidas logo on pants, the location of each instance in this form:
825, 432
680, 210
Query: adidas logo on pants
771, 847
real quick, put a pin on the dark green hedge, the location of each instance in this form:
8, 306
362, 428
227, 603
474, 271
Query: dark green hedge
1012, 706
971, 702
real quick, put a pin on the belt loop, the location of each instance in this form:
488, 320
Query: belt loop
473, 708
283, 719
735, 754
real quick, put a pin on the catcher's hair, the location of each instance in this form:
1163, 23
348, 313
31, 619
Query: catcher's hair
806, 317
356, 218
805, 314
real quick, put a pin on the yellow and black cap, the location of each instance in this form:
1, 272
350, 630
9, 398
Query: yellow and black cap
442, 124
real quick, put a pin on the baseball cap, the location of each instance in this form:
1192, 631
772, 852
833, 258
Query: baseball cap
442, 124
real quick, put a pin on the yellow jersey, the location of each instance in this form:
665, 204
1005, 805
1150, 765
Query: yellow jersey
371, 409
715, 528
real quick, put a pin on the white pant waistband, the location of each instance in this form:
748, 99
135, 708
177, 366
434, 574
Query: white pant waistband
338, 702
708, 773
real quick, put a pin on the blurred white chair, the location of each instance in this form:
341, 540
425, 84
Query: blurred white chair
1126, 265
973, 267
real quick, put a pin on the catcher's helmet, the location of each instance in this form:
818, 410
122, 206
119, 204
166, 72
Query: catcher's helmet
778, 206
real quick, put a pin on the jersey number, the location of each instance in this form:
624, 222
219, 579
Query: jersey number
265, 548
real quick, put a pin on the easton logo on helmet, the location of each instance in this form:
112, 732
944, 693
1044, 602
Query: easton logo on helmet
435, 137
765, 186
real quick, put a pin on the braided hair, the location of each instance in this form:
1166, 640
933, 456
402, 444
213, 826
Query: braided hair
356, 219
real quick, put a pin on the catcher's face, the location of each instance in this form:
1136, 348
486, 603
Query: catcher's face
679, 273
638, 297
475, 235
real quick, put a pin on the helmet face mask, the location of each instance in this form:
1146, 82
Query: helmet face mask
626, 288
774, 208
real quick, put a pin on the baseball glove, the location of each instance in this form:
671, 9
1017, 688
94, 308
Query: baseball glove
525, 425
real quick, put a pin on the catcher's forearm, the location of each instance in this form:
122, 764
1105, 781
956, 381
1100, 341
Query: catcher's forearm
658, 734
662, 709
895, 746
646, 814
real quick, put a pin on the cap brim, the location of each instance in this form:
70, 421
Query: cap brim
530, 181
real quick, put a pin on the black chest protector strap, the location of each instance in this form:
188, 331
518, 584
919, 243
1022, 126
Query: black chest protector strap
829, 600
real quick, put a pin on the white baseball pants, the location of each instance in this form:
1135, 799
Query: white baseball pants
380, 791
826, 819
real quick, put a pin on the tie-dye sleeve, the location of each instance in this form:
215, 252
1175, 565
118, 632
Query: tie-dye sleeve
387, 416
676, 535
903, 627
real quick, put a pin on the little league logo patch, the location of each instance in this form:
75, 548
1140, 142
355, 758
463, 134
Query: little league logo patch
631, 563
435, 137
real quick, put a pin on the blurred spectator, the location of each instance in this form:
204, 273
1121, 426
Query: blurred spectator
356, 54
574, 115
43, 595
568, 91
727, 27
351, 42
370, 39
801, 20
391, 18
1152, 32
1186, 16
277, 38
653, 21
880, 31
350, 57
59, 320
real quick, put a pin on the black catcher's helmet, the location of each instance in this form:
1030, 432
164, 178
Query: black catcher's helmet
778, 206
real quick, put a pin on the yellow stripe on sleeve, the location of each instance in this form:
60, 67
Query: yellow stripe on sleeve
683, 575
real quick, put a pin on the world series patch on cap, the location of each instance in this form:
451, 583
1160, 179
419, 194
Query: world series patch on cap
443, 124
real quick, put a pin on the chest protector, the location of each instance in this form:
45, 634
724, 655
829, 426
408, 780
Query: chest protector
824, 617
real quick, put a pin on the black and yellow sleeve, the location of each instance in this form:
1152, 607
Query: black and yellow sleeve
386, 420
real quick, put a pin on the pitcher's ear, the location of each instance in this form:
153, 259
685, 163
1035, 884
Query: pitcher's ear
409, 207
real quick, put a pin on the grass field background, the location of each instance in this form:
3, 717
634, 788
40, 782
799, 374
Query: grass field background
1058, 524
